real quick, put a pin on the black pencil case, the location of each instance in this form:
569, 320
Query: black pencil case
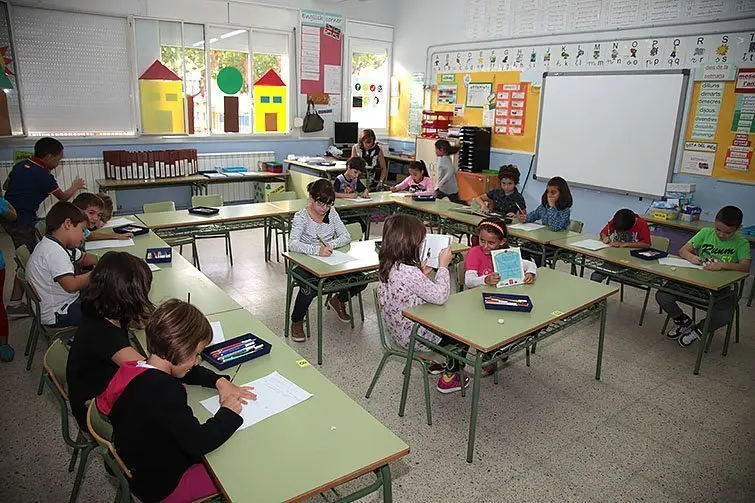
159, 255
203, 210
648, 253
423, 198
136, 230
489, 303
220, 365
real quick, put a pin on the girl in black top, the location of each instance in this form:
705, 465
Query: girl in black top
370, 152
154, 429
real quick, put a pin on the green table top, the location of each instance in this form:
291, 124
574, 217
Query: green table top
311, 447
182, 218
554, 295
710, 280
340, 166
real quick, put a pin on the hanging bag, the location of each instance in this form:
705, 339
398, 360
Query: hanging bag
312, 121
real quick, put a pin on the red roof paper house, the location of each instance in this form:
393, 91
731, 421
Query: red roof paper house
270, 108
162, 95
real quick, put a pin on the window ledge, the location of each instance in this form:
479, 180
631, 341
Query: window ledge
29, 141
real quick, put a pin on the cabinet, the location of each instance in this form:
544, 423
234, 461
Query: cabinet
475, 148
472, 185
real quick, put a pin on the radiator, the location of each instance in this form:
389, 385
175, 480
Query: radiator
91, 169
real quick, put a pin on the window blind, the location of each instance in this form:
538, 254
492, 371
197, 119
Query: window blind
75, 73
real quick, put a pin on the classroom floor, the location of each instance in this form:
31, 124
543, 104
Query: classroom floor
649, 431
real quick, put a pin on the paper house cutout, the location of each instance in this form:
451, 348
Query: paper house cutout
270, 104
161, 94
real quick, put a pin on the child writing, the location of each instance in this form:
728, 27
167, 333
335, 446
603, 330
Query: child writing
405, 282
8, 213
116, 301
368, 150
418, 182
318, 230
93, 206
625, 230
447, 186
51, 268
719, 248
478, 265
348, 184
154, 429
505, 200
555, 206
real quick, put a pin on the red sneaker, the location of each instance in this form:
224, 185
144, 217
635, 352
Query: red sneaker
451, 383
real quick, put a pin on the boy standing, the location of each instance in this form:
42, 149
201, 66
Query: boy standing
625, 230
719, 248
28, 184
51, 267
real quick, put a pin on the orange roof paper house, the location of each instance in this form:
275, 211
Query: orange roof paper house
270, 107
161, 94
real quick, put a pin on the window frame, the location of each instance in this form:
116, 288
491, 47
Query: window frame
363, 44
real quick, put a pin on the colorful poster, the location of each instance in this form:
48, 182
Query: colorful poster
321, 46
745, 81
510, 108
698, 158
744, 114
447, 94
458, 110
477, 94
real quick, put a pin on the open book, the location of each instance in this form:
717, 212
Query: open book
432, 246
507, 263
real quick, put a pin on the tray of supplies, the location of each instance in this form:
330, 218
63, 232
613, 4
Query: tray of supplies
205, 211
506, 302
648, 253
136, 230
159, 255
423, 198
236, 351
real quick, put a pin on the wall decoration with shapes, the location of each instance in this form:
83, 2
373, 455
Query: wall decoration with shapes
270, 107
161, 97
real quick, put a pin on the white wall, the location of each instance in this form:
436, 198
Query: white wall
421, 23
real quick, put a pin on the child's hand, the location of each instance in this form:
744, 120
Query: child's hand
426, 269
231, 402
529, 278
694, 259
366, 194
511, 214
714, 266
492, 279
444, 257
616, 244
127, 235
228, 390
325, 251
348, 189
521, 217
606, 240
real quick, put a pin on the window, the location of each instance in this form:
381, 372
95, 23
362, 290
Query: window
230, 92
76, 73
264, 99
277, 99
370, 84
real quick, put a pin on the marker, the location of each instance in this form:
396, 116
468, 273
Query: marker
224, 348
248, 352
233, 348
519, 207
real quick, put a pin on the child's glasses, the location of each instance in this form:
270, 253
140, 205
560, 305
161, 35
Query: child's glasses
324, 205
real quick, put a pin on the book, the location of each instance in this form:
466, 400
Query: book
507, 263
591, 244
432, 246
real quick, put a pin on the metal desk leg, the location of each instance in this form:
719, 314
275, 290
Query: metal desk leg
408, 369
266, 228
706, 334
752, 294
289, 294
601, 337
385, 472
319, 321
475, 403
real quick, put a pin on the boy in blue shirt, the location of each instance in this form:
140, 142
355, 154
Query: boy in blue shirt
28, 184
6, 350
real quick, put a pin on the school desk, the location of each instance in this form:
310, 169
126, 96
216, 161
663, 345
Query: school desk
464, 319
331, 279
310, 448
696, 287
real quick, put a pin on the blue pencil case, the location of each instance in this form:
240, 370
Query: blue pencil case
238, 350
506, 302
159, 255
136, 230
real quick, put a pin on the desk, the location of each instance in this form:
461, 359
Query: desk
560, 300
198, 183
329, 172
334, 278
697, 287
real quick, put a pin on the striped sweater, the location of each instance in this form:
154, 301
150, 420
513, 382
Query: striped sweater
305, 232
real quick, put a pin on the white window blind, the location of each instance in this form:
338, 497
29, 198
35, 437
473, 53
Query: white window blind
75, 73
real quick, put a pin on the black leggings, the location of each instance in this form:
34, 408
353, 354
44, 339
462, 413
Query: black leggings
454, 198
452, 364
306, 295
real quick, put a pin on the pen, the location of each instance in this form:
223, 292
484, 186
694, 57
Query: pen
235, 344
188, 298
240, 351
518, 207
231, 358
232, 348
322, 241
237, 372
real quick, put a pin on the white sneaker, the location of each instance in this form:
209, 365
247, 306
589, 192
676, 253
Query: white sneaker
681, 328
690, 337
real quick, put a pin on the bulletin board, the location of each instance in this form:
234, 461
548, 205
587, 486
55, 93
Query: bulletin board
723, 136
524, 142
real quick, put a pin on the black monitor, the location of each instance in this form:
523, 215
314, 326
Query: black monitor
346, 133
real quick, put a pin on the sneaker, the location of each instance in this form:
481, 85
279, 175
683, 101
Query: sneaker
7, 353
297, 332
436, 368
681, 329
19, 310
690, 337
451, 383
340, 309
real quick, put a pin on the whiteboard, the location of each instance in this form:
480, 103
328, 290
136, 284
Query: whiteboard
616, 131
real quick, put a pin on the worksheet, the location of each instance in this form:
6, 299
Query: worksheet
507, 263
591, 244
678, 262
117, 222
526, 227
217, 333
109, 243
336, 258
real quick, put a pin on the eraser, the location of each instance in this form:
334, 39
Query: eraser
500, 320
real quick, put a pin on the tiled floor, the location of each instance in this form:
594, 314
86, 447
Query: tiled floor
649, 431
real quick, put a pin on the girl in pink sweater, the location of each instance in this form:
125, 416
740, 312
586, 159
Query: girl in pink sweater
418, 181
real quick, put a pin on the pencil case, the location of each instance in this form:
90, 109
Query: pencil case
423, 198
136, 230
498, 302
203, 211
648, 253
242, 353
159, 255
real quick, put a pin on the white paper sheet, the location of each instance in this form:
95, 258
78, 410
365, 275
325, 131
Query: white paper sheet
109, 243
678, 262
274, 393
526, 227
591, 244
359, 199
153, 267
336, 258
117, 222
332, 80
432, 246
217, 332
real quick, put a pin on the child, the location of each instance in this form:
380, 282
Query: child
370, 151
625, 230
116, 300
93, 206
51, 266
555, 206
404, 283
28, 184
478, 265
107, 209
719, 248
154, 429
447, 186
506, 200
418, 182
8, 213
318, 230
349, 184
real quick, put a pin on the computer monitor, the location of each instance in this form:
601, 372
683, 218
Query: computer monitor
346, 133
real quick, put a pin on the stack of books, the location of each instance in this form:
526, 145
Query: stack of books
149, 165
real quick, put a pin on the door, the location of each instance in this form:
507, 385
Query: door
271, 122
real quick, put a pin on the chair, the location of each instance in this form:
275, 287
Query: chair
22, 256
213, 231
355, 231
179, 241
390, 349
37, 328
575, 226
102, 432
280, 225
54, 377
